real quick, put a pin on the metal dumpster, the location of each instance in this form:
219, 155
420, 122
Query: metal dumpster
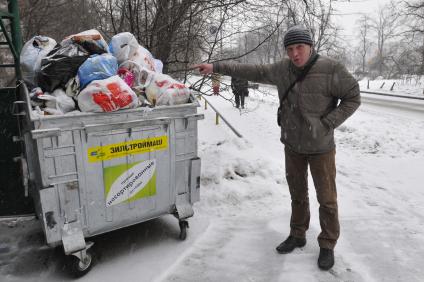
93, 173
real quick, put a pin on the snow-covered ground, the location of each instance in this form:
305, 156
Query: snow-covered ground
245, 209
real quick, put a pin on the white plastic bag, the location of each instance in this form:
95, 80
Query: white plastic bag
144, 58
58, 102
107, 95
124, 47
164, 90
31, 55
142, 77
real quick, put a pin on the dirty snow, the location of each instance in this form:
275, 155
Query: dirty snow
245, 209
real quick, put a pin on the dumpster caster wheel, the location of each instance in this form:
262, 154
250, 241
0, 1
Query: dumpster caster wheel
78, 267
183, 229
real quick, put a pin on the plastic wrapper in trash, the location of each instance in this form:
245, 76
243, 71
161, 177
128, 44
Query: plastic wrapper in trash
32, 53
107, 95
60, 65
164, 90
97, 67
127, 76
37, 112
125, 47
142, 77
91, 40
34, 94
57, 102
72, 88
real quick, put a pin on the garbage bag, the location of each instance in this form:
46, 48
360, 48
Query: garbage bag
124, 47
60, 65
144, 58
57, 102
141, 79
91, 40
107, 95
32, 53
127, 76
97, 67
164, 90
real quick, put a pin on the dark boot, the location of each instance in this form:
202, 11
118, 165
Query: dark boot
290, 244
325, 259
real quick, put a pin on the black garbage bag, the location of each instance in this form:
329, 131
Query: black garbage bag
60, 65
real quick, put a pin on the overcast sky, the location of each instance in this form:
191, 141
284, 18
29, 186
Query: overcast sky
350, 11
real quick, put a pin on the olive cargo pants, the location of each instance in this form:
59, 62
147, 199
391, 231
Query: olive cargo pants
323, 170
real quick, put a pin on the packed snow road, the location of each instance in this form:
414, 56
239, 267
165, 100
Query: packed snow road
245, 210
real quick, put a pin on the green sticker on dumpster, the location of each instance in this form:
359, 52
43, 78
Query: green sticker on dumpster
129, 182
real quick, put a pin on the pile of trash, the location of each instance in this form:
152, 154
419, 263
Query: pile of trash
84, 73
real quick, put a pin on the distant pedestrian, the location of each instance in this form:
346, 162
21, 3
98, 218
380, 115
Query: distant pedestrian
317, 94
240, 90
216, 81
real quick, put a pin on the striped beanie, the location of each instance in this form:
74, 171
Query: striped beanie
296, 35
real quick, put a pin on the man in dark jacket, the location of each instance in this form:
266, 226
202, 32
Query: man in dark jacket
313, 108
239, 87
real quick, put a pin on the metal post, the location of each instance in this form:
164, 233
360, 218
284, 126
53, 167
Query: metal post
16, 33
382, 85
391, 88
216, 119
206, 105
368, 84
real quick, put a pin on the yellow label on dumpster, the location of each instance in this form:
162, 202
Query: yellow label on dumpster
117, 150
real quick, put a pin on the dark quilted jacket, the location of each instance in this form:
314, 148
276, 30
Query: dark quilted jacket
314, 107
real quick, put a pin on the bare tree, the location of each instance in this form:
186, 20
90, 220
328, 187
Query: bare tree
317, 16
414, 11
364, 26
179, 32
314, 14
386, 26
55, 18
167, 28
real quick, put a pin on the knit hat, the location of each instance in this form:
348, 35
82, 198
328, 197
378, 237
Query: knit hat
296, 35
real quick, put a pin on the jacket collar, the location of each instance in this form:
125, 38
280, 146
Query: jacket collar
297, 70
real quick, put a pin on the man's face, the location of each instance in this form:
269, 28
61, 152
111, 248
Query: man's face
299, 53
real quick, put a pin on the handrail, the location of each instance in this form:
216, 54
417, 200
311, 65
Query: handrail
393, 95
218, 114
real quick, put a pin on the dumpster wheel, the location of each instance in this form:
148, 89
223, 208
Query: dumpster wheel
183, 229
78, 267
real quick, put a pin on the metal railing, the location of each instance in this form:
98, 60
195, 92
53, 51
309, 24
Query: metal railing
393, 95
219, 115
